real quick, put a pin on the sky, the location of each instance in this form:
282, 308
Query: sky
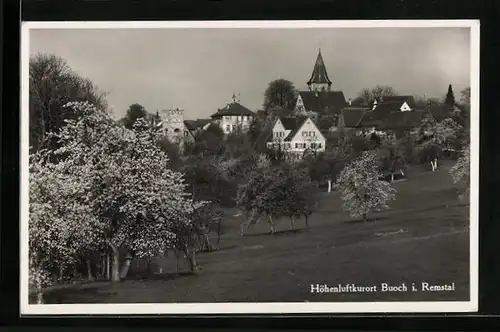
198, 70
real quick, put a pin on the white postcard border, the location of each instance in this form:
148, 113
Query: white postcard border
252, 308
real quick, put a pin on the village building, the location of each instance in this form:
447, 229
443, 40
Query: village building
172, 124
393, 115
320, 98
234, 117
295, 136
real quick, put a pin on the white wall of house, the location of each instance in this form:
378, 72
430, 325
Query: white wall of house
230, 123
299, 106
308, 137
405, 107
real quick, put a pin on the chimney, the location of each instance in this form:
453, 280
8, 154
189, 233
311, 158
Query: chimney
350, 101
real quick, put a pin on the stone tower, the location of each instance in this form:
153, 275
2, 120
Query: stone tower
172, 124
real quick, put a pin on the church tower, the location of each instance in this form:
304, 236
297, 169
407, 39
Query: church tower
319, 80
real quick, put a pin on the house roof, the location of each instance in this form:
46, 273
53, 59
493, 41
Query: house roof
402, 120
399, 99
387, 107
233, 108
330, 101
372, 119
196, 124
353, 115
319, 74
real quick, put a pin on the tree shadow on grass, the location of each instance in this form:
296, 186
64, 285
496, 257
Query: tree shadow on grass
205, 251
368, 220
279, 233
160, 276
76, 295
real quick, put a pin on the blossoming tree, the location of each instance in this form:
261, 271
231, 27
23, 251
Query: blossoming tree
135, 201
361, 188
460, 172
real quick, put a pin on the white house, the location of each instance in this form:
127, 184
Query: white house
295, 137
233, 117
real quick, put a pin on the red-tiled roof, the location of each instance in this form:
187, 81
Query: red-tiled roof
319, 74
233, 109
323, 101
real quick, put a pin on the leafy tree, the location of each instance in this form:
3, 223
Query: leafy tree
361, 188
209, 141
280, 93
366, 96
275, 192
450, 97
327, 121
171, 150
52, 84
464, 106
460, 172
134, 112
392, 157
237, 144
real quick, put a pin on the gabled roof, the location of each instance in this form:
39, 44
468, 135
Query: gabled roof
402, 120
398, 99
293, 124
233, 109
319, 74
387, 107
330, 101
353, 115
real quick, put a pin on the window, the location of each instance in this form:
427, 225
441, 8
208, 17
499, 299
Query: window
228, 128
186, 133
304, 133
319, 145
313, 145
227, 118
296, 145
312, 133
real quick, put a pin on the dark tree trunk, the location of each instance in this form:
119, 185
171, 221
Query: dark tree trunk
364, 218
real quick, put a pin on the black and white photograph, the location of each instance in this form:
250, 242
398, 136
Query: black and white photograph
211, 167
